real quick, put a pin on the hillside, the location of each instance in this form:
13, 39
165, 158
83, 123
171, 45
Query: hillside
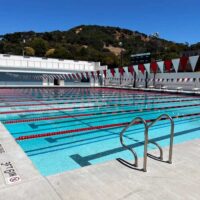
93, 43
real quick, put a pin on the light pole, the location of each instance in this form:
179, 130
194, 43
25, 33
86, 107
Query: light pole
121, 60
23, 44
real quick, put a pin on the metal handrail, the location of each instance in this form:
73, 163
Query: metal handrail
166, 116
159, 147
146, 140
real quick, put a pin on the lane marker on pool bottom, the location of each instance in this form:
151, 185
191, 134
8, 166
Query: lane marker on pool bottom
27, 137
94, 114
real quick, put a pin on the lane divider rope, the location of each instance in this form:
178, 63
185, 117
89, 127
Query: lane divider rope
26, 137
82, 107
94, 114
91, 101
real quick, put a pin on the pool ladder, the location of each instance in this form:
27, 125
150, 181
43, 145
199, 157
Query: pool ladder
147, 141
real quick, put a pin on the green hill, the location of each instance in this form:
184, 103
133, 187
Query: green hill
93, 43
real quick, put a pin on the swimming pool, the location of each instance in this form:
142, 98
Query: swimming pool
67, 128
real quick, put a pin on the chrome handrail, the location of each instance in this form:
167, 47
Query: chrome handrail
159, 147
146, 140
171, 132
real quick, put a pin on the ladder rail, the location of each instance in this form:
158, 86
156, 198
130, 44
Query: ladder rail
146, 139
159, 147
166, 116
133, 122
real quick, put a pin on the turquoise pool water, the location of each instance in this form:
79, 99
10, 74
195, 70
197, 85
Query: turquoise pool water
65, 129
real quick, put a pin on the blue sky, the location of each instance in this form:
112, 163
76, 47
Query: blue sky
176, 20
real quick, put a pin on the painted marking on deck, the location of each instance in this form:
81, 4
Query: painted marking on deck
9, 172
2, 150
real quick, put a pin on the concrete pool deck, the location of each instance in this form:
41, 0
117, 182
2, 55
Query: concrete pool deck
20, 180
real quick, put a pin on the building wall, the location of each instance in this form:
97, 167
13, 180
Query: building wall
16, 79
23, 79
12, 62
171, 80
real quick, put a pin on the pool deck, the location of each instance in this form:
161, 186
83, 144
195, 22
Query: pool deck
109, 181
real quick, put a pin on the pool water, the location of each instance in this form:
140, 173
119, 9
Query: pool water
68, 128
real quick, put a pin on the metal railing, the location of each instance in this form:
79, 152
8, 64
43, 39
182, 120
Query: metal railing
147, 141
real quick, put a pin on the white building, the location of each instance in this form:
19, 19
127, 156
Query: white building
19, 70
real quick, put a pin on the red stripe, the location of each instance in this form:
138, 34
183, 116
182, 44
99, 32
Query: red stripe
45, 118
131, 70
69, 131
104, 72
141, 68
168, 65
183, 62
112, 70
154, 67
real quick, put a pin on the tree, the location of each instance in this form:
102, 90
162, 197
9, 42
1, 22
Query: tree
1, 47
29, 51
40, 46
50, 52
62, 53
89, 42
